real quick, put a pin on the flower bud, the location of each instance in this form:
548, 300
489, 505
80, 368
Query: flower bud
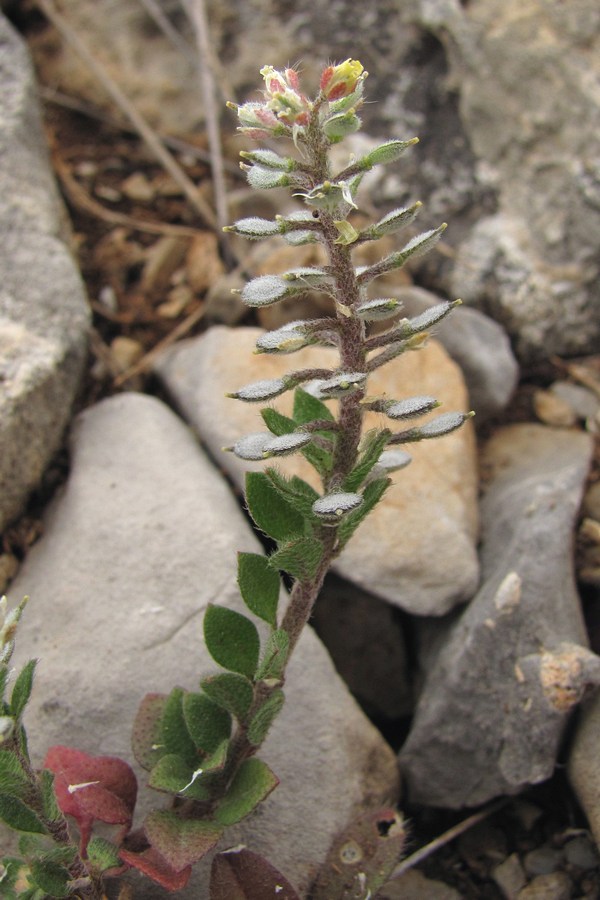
341, 80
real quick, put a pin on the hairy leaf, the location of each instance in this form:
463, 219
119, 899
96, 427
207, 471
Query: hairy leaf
152, 864
174, 733
231, 639
51, 877
18, 816
240, 874
252, 783
102, 854
270, 511
207, 723
275, 656
309, 409
295, 490
300, 557
233, 692
22, 689
146, 738
259, 585
372, 445
173, 775
181, 842
264, 717
13, 779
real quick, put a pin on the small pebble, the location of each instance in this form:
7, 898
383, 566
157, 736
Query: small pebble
413, 885
556, 886
124, 353
9, 566
510, 877
553, 410
137, 187
527, 813
582, 401
105, 192
582, 852
543, 860
591, 502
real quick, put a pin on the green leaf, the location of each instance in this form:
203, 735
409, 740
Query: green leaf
252, 783
270, 511
174, 734
297, 492
309, 409
264, 717
13, 779
372, 494
51, 878
102, 855
231, 639
232, 692
173, 775
215, 763
372, 446
146, 737
22, 689
207, 723
259, 586
182, 842
275, 656
51, 809
18, 816
276, 422
300, 557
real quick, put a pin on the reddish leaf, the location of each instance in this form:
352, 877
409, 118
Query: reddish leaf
146, 734
152, 864
92, 787
181, 842
239, 874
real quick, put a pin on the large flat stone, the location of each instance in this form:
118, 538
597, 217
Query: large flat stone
143, 537
417, 549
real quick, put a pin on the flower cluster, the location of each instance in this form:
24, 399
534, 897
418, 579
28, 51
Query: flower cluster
286, 110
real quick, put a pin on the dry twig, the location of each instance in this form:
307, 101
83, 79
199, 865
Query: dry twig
197, 14
80, 198
146, 361
141, 126
445, 838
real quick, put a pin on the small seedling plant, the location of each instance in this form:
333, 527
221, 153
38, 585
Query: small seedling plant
202, 748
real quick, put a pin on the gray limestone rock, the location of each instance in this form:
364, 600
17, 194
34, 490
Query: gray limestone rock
44, 318
496, 698
143, 537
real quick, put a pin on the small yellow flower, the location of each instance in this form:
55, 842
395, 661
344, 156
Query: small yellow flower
340, 80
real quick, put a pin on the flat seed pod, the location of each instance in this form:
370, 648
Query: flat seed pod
341, 384
259, 391
332, 507
251, 446
411, 407
286, 444
378, 309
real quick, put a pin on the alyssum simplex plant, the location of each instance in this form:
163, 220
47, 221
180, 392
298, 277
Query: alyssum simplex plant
201, 747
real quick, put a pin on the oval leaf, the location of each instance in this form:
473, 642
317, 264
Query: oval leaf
240, 874
233, 692
264, 717
232, 640
270, 511
146, 738
207, 723
182, 842
259, 585
252, 782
